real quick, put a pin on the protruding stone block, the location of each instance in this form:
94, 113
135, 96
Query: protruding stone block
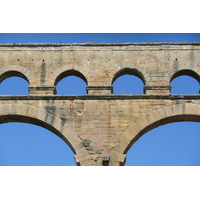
105, 160
86, 143
42, 90
157, 89
99, 89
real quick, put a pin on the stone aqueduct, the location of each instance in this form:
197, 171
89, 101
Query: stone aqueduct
99, 127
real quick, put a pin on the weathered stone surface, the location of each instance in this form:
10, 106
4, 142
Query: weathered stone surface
99, 127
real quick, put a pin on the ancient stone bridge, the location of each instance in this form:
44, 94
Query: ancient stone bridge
99, 127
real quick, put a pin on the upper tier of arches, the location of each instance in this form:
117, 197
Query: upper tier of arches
60, 74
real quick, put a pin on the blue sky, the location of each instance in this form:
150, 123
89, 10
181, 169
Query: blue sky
171, 144
97, 37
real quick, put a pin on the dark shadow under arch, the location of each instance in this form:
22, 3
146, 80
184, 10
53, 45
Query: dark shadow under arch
128, 71
70, 73
12, 73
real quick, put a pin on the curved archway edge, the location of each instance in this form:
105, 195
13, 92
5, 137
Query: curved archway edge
131, 71
15, 70
187, 72
65, 71
161, 116
33, 115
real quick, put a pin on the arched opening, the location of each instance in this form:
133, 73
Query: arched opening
9, 74
71, 82
13, 83
24, 144
185, 82
47, 123
24, 114
128, 81
173, 144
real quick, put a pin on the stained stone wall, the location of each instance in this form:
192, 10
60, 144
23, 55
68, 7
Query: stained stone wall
99, 127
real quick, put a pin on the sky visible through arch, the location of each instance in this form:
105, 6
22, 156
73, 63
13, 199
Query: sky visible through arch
172, 144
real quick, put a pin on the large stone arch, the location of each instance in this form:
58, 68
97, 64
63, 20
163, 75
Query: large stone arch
168, 114
33, 115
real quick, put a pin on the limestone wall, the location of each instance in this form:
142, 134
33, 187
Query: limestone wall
99, 127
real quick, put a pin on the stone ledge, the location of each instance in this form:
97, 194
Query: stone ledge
98, 97
158, 87
98, 44
110, 88
41, 88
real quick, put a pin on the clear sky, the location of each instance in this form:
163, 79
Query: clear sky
171, 144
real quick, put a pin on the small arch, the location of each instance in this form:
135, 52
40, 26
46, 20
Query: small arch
70, 73
124, 78
14, 86
129, 71
14, 83
187, 77
186, 72
12, 73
